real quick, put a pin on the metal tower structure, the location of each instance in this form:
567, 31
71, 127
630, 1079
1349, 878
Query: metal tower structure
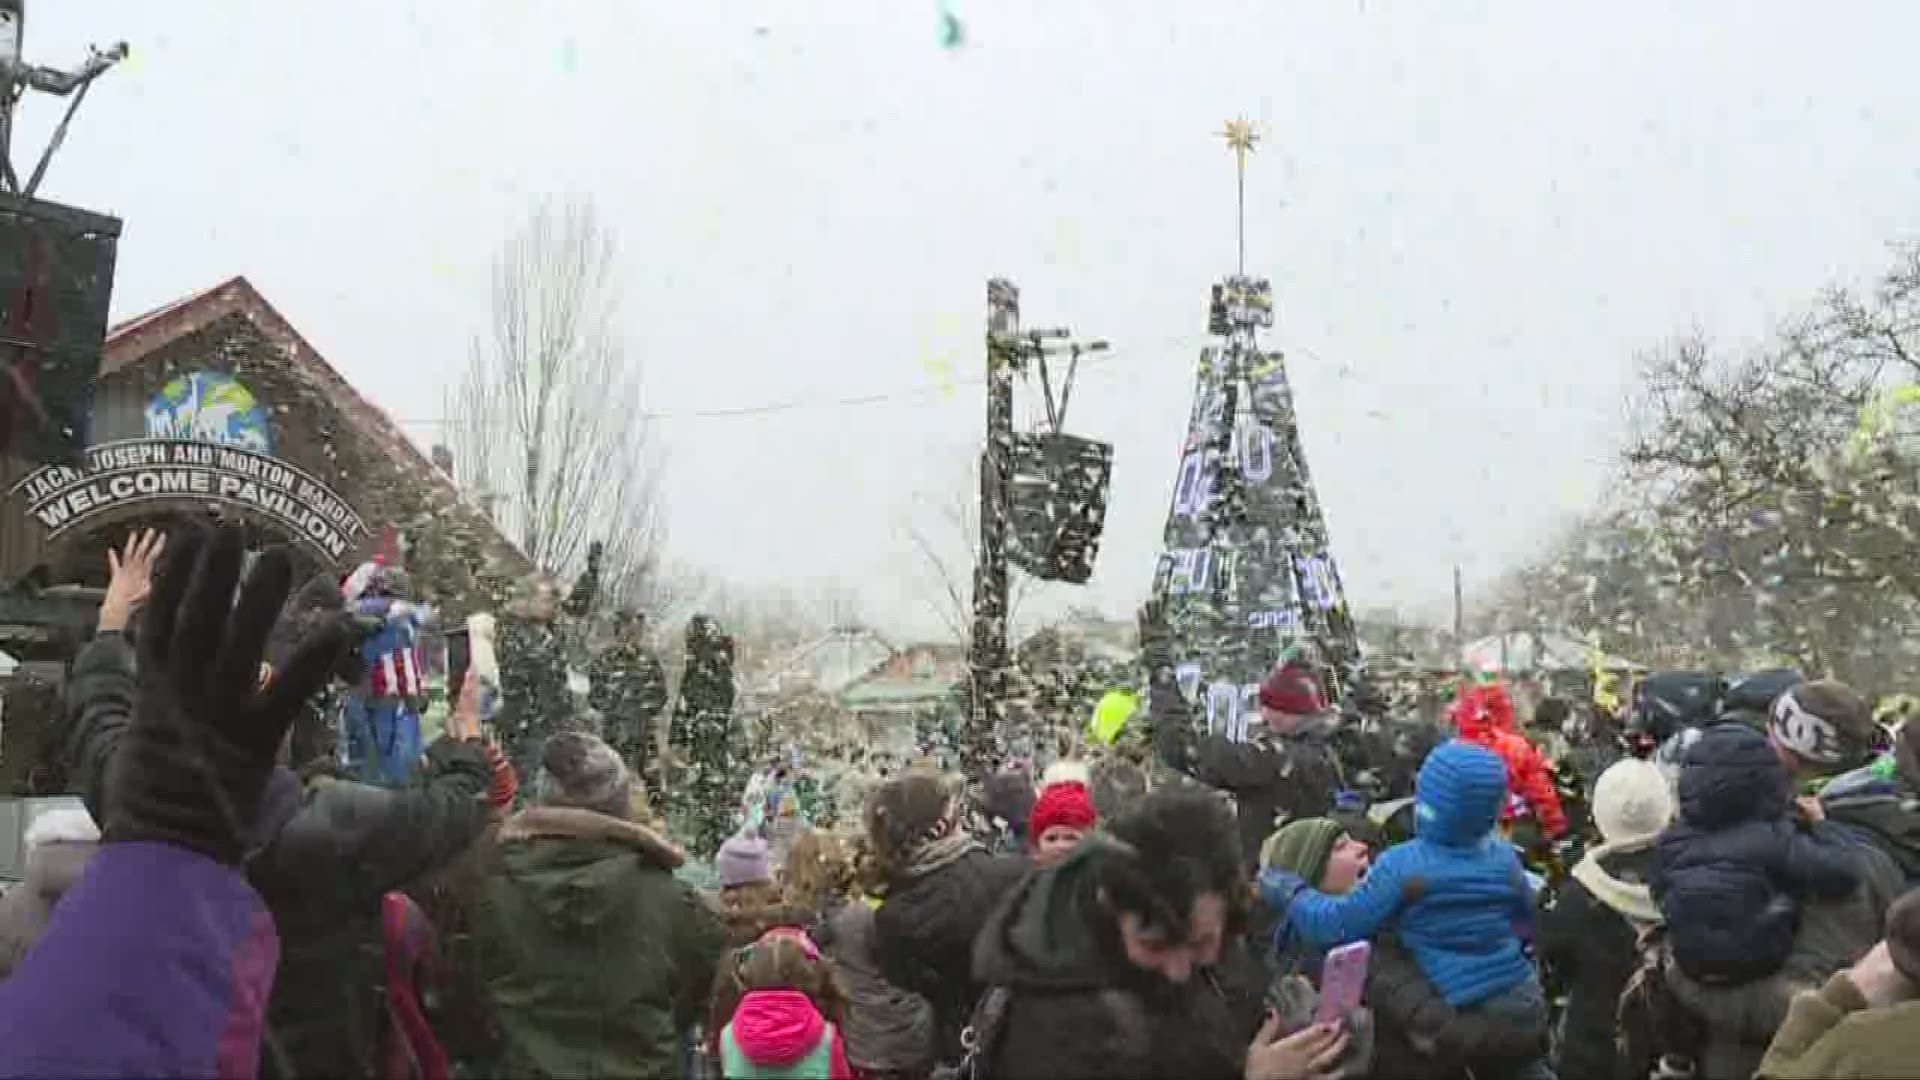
1247, 570
1042, 507
17, 76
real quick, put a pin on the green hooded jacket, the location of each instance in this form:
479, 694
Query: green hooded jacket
595, 959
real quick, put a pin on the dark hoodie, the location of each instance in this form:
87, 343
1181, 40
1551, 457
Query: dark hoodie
1731, 875
1077, 1008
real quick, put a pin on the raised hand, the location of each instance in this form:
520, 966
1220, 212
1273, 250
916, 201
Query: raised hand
464, 721
130, 577
205, 732
1156, 639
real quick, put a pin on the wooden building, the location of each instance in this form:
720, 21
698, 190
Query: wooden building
215, 407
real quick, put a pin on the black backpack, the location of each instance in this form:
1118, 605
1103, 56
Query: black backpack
980, 1039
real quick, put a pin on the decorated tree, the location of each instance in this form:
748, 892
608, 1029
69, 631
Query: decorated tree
709, 769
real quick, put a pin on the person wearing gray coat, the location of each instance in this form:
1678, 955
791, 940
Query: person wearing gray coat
888, 1031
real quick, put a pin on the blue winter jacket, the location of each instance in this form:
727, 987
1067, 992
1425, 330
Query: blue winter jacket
1730, 875
1455, 894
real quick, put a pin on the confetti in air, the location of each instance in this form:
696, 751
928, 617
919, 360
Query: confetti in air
953, 33
940, 370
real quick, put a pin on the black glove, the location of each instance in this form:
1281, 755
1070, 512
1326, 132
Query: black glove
1156, 641
450, 755
194, 760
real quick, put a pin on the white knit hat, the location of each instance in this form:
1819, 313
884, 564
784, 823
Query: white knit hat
1632, 801
63, 825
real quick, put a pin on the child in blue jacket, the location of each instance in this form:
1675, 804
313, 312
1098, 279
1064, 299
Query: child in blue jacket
1455, 894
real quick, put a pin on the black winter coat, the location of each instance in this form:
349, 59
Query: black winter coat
1737, 1023
323, 859
1416, 1033
1272, 777
1590, 949
1731, 875
1078, 1009
923, 935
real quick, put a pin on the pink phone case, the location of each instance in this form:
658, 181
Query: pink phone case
1343, 981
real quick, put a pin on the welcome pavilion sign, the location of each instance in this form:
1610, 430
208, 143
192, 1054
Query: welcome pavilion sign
125, 473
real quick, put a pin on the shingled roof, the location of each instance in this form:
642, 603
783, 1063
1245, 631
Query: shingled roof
132, 339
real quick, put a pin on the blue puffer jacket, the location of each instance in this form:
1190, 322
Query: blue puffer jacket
1455, 893
1731, 874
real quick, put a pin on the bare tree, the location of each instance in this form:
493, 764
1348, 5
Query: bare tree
945, 535
1749, 517
545, 426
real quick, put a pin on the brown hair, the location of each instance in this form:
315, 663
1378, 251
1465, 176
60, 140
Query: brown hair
772, 963
818, 874
902, 812
749, 910
869, 877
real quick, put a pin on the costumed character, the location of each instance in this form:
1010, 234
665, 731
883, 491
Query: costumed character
772, 809
382, 714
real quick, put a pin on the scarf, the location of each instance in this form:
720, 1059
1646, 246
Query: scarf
1631, 900
940, 851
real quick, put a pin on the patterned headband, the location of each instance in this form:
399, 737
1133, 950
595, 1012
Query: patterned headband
794, 934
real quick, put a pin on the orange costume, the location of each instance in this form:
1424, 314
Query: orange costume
1483, 715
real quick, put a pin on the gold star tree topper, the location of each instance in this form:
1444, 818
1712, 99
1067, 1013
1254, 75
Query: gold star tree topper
1240, 135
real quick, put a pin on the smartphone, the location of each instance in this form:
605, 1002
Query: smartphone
1343, 981
459, 659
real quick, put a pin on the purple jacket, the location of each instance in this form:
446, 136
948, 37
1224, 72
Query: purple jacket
158, 963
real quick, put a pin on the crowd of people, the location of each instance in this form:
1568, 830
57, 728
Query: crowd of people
1724, 887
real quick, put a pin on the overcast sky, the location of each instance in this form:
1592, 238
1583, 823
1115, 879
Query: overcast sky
1474, 215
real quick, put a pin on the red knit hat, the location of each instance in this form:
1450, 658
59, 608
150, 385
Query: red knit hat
1067, 804
506, 782
1293, 689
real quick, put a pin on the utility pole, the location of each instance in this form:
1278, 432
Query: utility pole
987, 644
17, 76
56, 283
1010, 352
1459, 622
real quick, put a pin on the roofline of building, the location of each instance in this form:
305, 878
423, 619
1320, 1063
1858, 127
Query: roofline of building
133, 339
